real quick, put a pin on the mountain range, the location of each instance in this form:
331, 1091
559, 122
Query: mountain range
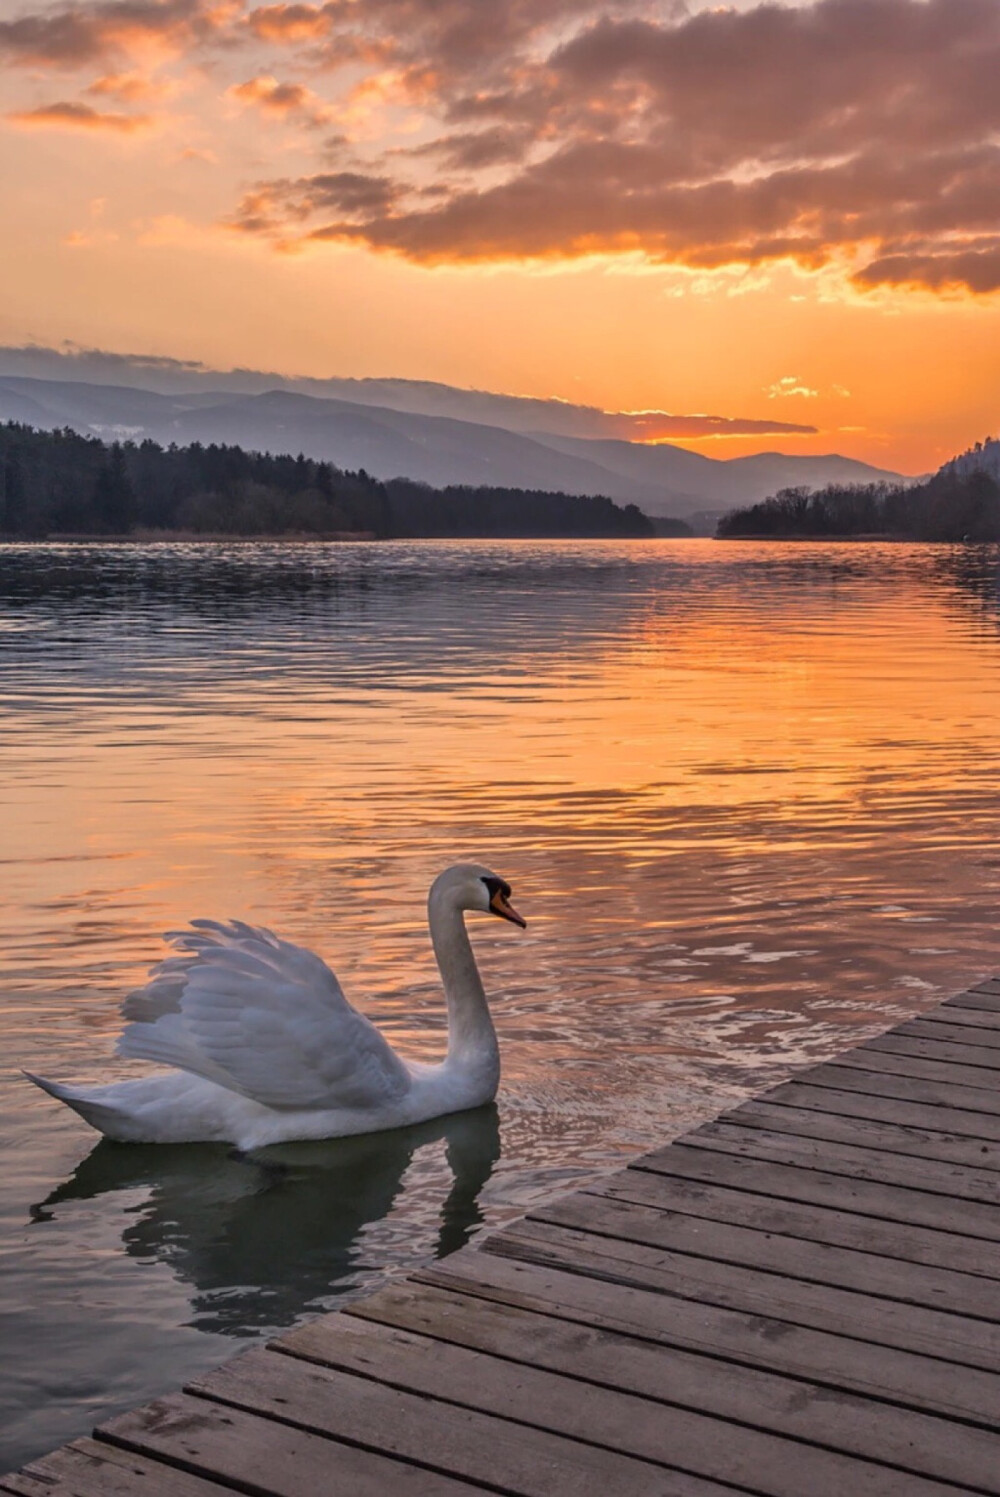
437, 434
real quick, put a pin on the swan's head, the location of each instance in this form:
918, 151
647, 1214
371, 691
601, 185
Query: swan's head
468, 886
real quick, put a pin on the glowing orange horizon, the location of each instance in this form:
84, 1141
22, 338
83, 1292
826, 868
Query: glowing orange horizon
549, 198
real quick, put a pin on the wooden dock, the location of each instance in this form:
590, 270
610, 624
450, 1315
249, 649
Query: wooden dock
799, 1299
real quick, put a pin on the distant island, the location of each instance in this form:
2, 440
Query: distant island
961, 502
59, 483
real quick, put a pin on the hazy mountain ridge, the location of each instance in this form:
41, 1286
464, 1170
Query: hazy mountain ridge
524, 413
437, 449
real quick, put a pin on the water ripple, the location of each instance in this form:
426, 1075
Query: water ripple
747, 797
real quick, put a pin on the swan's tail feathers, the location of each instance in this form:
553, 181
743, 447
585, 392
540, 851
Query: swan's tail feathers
95, 1110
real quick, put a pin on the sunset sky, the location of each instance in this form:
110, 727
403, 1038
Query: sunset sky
786, 214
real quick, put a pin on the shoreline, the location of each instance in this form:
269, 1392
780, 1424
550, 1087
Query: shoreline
869, 538
215, 538
187, 537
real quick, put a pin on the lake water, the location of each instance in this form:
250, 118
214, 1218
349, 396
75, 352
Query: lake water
747, 796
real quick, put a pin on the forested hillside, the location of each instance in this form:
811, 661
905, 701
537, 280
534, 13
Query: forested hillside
61, 483
951, 506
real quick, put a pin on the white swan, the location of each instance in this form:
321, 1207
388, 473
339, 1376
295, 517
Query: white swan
267, 1048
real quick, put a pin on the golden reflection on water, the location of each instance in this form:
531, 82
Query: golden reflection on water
746, 796
659, 753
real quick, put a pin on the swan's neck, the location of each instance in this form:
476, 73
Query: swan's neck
472, 1041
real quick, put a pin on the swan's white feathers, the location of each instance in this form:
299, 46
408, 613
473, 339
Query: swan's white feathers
261, 1017
92, 1106
263, 1047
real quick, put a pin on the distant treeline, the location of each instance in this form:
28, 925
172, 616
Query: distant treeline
60, 483
948, 507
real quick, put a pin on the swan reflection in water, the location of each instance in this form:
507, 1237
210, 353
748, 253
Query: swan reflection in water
263, 1238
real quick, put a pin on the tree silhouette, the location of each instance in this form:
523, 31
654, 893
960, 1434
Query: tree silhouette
954, 505
114, 503
11, 492
59, 482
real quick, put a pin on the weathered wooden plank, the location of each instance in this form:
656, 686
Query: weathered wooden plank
461, 1441
977, 1126
764, 1213
793, 1182
976, 1000
866, 1133
89, 1468
905, 1088
946, 1073
985, 1023
771, 1252
970, 1343
978, 1189
264, 1457
985, 998
726, 1379
934, 1048
663, 1407
751, 1338
812, 1186
945, 1027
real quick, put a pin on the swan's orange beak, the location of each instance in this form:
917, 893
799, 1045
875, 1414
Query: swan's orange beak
506, 911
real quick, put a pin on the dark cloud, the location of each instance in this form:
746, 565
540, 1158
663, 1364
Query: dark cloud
272, 207
42, 360
72, 36
434, 47
474, 150
864, 131
460, 41
661, 426
974, 267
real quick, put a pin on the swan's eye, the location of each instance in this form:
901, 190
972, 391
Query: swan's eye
499, 892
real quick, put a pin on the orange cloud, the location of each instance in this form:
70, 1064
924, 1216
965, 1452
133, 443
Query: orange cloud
128, 88
287, 100
859, 133
77, 34
289, 23
90, 238
71, 116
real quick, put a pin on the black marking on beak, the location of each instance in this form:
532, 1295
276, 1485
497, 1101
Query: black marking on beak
500, 892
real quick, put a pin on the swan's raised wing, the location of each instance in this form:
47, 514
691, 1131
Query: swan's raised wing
261, 1017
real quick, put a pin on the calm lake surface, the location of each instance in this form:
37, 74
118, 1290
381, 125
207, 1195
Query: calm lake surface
746, 795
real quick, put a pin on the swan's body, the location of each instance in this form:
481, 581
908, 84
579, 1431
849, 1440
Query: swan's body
266, 1048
